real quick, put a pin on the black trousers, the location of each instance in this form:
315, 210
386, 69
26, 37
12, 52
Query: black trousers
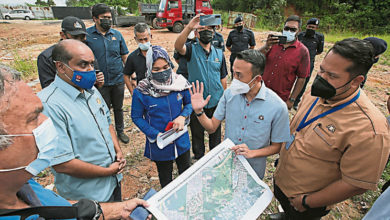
165, 168
117, 194
292, 214
197, 133
298, 99
113, 96
231, 59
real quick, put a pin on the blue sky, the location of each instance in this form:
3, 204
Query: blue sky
22, 2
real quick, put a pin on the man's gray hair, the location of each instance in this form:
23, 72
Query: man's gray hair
7, 75
141, 28
254, 57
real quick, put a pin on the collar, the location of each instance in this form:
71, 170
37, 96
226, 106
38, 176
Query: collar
68, 89
139, 52
322, 101
262, 92
295, 44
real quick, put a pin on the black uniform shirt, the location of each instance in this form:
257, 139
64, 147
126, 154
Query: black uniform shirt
240, 41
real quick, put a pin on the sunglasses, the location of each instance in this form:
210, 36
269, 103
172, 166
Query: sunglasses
287, 28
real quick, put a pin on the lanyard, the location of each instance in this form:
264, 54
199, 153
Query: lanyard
305, 123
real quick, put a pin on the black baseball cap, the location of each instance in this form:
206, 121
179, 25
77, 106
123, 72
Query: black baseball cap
238, 19
314, 21
73, 26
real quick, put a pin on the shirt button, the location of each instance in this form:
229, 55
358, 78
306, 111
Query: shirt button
276, 64
245, 116
239, 139
272, 73
242, 128
247, 104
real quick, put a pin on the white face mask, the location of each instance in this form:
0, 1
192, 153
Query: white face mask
144, 46
238, 87
290, 35
45, 136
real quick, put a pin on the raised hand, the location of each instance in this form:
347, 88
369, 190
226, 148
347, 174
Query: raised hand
197, 101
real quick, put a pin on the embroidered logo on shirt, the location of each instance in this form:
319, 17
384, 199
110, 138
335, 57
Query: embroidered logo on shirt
98, 101
113, 38
331, 128
179, 97
216, 60
78, 78
261, 117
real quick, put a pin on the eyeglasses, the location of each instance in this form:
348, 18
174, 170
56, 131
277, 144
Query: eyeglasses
287, 28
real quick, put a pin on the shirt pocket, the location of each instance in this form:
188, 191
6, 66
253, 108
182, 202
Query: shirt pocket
113, 47
320, 143
259, 128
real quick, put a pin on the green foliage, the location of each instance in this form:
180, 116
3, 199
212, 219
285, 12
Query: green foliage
43, 3
363, 16
27, 67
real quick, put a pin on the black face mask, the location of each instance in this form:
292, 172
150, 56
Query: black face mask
239, 28
162, 76
105, 24
310, 32
321, 88
206, 36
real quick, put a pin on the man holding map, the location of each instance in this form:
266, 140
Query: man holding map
256, 118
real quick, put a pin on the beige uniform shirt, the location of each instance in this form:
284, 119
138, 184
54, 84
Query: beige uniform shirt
351, 144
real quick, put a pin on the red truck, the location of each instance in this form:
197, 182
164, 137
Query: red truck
173, 14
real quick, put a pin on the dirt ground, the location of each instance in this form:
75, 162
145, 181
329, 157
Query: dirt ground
26, 39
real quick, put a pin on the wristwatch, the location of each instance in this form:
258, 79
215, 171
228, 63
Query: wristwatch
304, 202
291, 100
199, 114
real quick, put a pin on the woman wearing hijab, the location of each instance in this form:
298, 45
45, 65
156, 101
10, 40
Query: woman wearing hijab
163, 97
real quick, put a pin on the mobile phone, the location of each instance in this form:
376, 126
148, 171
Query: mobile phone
210, 20
282, 39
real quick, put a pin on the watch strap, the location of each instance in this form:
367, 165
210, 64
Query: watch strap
200, 113
304, 202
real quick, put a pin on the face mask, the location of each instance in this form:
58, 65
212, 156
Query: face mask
310, 32
162, 76
144, 46
239, 28
105, 24
290, 35
238, 87
322, 88
45, 136
206, 36
83, 79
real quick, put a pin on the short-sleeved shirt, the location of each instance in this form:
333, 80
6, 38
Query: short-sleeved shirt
223, 70
256, 123
314, 44
284, 65
218, 41
240, 41
108, 50
82, 121
136, 62
351, 144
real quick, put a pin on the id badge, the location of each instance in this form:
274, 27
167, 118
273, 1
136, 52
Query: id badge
288, 143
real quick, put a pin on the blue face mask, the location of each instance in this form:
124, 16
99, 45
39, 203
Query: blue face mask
45, 138
144, 46
162, 76
83, 79
290, 35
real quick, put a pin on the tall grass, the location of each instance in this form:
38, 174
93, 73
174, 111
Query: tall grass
27, 67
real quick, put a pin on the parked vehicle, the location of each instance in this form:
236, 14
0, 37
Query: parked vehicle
173, 14
19, 14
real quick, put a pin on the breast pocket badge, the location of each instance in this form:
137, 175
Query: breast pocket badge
179, 97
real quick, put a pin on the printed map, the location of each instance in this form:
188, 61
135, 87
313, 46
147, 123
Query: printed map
221, 187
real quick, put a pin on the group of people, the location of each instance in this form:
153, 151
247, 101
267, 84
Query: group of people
336, 146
